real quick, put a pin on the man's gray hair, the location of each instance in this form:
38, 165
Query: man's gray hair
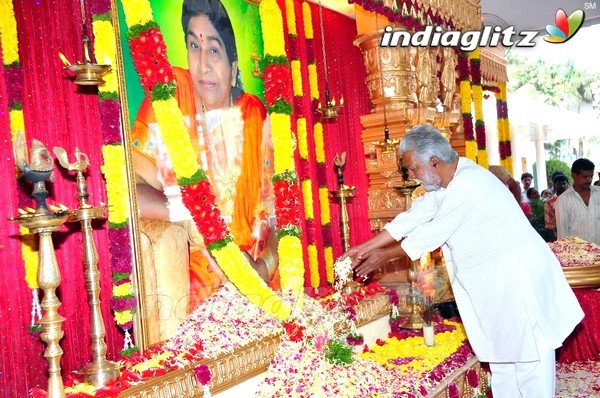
427, 141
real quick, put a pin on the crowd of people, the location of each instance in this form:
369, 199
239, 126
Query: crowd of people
555, 216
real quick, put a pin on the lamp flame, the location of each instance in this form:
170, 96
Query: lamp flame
64, 59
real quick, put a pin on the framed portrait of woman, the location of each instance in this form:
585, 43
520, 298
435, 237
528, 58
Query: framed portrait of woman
214, 47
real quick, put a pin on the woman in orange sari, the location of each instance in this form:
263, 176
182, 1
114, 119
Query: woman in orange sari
230, 134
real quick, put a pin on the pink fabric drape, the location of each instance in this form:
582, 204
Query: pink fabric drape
584, 343
346, 78
58, 113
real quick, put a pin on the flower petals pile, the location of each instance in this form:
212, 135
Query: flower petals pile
575, 252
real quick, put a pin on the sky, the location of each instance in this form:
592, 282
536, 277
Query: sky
582, 49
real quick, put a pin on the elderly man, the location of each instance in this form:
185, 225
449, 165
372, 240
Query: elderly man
578, 208
513, 298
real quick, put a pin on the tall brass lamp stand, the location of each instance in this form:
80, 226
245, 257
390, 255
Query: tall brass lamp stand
100, 370
414, 321
343, 194
43, 222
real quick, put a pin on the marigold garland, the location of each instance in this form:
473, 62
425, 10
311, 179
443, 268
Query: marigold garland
465, 100
285, 179
477, 92
13, 73
503, 128
192, 179
289, 219
124, 301
307, 137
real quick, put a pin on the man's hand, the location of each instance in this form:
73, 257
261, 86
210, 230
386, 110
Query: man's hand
376, 258
370, 262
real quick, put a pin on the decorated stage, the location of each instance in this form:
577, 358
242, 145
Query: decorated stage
339, 346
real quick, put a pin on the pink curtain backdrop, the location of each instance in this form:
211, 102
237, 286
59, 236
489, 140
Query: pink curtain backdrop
346, 75
58, 113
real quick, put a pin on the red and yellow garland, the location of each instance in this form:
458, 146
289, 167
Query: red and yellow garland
319, 146
503, 128
279, 96
124, 302
477, 92
465, 101
156, 76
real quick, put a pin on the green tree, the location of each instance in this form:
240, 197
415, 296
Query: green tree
553, 165
559, 84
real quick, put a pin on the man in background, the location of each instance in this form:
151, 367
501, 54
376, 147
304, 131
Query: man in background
504, 176
526, 179
560, 184
578, 208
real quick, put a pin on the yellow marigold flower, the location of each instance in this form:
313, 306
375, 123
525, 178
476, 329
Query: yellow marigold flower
175, 136
307, 19
29, 250
313, 81
123, 317
482, 158
425, 358
302, 138
137, 12
465, 93
105, 50
475, 54
8, 32
81, 388
508, 164
313, 263
115, 174
122, 290
242, 275
309, 211
471, 149
329, 263
272, 28
296, 78
17, 122
290, 17
291, 264
283, 142
152, 363
324, 202
319, 143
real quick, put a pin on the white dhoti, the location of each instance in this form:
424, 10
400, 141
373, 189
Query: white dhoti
535, 379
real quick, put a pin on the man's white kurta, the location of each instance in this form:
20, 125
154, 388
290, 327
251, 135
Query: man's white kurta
504, 276
574, 218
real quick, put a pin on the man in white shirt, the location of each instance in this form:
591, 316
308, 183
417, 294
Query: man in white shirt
513, 298
578, 208
526, 179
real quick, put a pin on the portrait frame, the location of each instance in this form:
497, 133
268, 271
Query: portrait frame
244, 15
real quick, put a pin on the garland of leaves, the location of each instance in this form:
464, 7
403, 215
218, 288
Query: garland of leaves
13, 74
124, 301
477, 92
279, 95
